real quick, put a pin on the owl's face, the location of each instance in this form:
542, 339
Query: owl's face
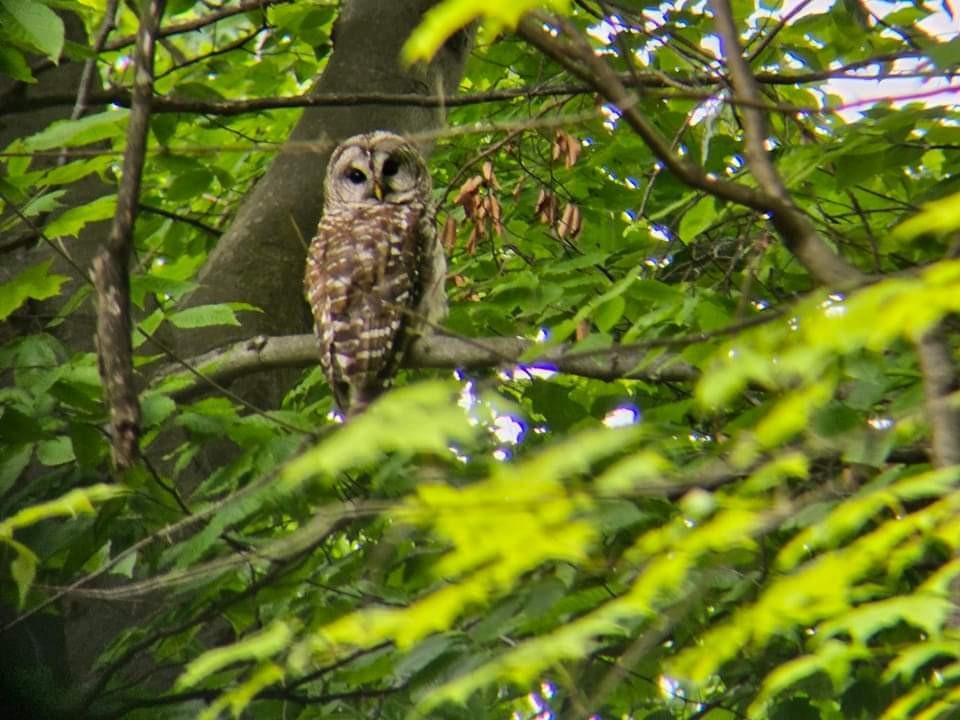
377, 167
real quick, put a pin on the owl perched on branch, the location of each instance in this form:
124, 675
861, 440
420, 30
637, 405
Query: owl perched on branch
375, 268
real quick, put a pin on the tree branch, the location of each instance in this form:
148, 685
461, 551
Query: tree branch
209, 229
798, 233
227, 108
432, 351
20, 103
200, 22
570, 49
223, 50
90, 66
111, 266
781, 24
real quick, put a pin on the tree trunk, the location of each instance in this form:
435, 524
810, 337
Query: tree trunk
260, 258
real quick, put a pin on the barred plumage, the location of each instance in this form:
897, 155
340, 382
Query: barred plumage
375, 268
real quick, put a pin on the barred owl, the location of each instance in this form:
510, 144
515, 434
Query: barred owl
375, 268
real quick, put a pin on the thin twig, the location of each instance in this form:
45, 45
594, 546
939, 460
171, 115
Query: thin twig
655, 80
229, 47
111, 266
88, 75
209, 229
202, 21
781, 24
794, 227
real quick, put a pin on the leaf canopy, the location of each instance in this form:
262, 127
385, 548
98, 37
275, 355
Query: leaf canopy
738, 500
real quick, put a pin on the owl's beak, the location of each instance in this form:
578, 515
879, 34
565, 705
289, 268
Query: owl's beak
377, 190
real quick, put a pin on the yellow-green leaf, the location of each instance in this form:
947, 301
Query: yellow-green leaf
80, 500
35, 282
938, 217
259, 646
449, 16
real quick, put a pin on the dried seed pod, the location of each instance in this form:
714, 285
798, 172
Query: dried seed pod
448, 235
563, 227
471, 206
472, 240
517, 189
583, 329
546, 208
488, 175
468, 189
573, 151
558, 146
496, 213
570, 222
576, 222
483, 208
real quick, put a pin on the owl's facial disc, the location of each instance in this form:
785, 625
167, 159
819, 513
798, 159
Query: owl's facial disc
397, 174
376, 168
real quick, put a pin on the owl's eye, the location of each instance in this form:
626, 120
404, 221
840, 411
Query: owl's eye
356, 176
390, 168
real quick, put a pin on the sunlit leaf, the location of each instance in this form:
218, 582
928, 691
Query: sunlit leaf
449, 16
42, 25
259, 646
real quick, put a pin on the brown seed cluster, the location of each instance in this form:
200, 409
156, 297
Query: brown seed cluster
566, 146
567, 222
478, 196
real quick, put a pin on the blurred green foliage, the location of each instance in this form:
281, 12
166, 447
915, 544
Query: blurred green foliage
769, 541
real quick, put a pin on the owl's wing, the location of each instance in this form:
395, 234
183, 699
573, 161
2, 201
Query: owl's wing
432, 304
362, 279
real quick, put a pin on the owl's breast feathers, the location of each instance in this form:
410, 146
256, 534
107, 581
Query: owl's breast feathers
363, 278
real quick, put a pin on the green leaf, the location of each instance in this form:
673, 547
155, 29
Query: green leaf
414, 418
125, 566
609, 313
13, 64
70, 222
43, 203
86, 130
156, 408
205, 316
259, 646
35, 282
18, 428
43, 27
697, 219
911, 659
13, 461
89, 445
80, 500
863, 622
833, 658
23, 568
57, 451
449, 16
938, 217
947, 54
